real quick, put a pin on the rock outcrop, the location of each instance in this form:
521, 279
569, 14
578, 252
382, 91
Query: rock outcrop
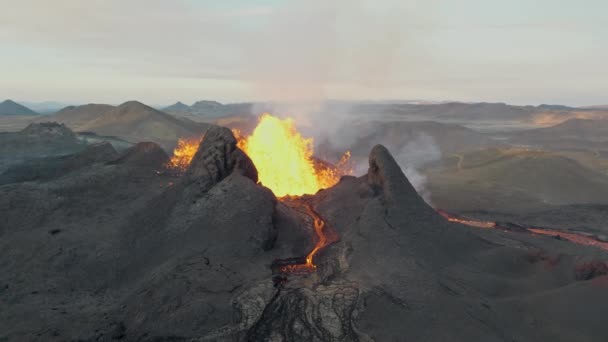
146, 154
119, 251
217, 157
48, 129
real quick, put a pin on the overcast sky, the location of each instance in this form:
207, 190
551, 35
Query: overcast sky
158, 52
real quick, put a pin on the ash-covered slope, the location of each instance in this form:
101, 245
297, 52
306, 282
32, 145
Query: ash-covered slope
58, 166
515, 180
77, 116
580, 129
448, 138
573, 134
126, 251
135, 122
37, 140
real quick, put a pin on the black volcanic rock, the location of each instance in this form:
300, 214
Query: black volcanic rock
48, 129
51, 167
146, 154
385, 173
9, 107
156, 257
217, 157
37, 140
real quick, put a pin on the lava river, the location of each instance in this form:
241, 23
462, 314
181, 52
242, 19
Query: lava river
569, 236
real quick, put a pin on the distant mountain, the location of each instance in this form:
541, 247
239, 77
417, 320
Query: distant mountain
46, 107
477, 111
178, 107
447, 138
596, 107
582, 129
77, 116
554, 107
10, 107
135, 122
208, 109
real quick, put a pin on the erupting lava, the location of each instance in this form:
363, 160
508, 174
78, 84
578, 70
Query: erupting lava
184, 152
285, 164
284, 159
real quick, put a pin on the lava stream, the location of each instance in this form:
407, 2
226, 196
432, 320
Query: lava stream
572, 237
325, 236
285, 164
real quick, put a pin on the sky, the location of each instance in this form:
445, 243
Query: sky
161, 51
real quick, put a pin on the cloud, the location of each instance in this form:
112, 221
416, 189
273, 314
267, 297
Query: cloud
298, 49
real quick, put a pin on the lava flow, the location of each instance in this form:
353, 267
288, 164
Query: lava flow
183, 153
572, 237
325, 237
285, 164
468, 222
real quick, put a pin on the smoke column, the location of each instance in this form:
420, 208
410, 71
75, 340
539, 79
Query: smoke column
309, 49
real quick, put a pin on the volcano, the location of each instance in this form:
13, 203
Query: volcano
118, 248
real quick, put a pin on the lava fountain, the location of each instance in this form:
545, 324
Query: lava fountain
183, 153
285, 164
284, 159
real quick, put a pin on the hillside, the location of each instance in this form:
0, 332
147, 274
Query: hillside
515, 179
9, 107
77, 116
448, 138
177, 107
133, 121
119, 251
209, 110
582, 129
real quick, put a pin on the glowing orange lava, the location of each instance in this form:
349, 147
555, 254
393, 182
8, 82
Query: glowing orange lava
325, 235
572, 237
468, 222
183, 153
285, 164
284, 159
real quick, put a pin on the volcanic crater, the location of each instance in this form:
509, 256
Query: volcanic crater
121, 249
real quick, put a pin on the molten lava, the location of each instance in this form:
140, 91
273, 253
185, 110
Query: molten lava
285, 164
572, 237
284, 159
468, 222
183, 153
325, 237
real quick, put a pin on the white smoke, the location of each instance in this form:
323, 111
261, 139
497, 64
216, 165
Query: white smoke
415, 155
418, 151
310, 48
